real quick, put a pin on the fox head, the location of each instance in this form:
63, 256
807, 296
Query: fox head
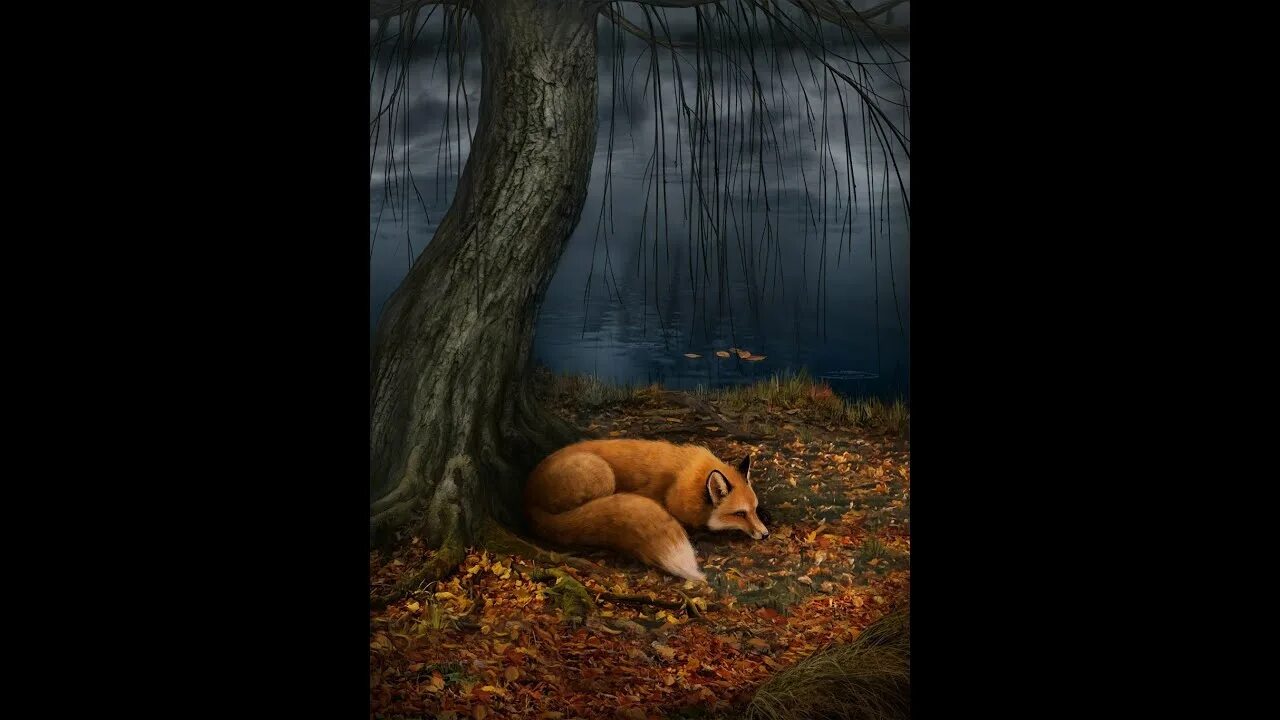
733, 501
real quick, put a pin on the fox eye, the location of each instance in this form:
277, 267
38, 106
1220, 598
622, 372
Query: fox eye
741, 513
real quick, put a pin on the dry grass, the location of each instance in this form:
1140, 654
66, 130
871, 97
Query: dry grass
800, 391
868, 679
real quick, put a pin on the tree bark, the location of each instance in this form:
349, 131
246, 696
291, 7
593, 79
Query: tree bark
453, 424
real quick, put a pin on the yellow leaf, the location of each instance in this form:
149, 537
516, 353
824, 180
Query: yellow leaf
512, 674
413, 606
445, 595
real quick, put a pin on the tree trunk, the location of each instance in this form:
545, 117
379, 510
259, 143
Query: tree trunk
453, 425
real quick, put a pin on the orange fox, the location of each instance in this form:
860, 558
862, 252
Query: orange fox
632, 496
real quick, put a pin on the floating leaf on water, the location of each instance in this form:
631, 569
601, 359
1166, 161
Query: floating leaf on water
722, 353
755, 358
744, 354
692, 356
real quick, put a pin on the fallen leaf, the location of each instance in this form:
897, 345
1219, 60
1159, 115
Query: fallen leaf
744, 354
480, 712
722, 353
666, 652
413, 606
692, 356
511, 674
805, 579
755, 358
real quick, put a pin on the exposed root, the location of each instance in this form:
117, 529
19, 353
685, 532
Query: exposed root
499, 539
443, 564
729, 427
687, 604
572, 597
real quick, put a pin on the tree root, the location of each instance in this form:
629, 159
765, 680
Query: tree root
499, 539
442, 565
571, 596
730, 428
686, 604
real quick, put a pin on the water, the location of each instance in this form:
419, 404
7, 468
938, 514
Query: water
847, 322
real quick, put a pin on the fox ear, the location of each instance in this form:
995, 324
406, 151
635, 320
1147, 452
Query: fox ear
717, 487
744, 467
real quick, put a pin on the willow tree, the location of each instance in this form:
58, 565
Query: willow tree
454, 426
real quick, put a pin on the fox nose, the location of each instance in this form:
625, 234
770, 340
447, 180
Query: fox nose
764, 534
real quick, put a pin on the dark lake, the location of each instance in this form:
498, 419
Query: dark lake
811, 283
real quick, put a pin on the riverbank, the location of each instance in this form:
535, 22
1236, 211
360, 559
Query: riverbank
600, 636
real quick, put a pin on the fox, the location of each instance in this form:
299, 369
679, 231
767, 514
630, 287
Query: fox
636, 497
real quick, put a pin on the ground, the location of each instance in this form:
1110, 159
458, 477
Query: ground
515, 636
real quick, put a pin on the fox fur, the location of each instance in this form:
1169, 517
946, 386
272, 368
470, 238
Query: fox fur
637, 497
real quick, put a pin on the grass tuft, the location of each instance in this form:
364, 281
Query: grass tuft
868, 679
799, 391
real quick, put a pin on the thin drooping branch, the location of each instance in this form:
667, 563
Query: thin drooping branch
382, 9
677, 3
844, 13
621, 21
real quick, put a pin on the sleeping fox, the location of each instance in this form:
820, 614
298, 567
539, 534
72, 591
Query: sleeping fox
632, 496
